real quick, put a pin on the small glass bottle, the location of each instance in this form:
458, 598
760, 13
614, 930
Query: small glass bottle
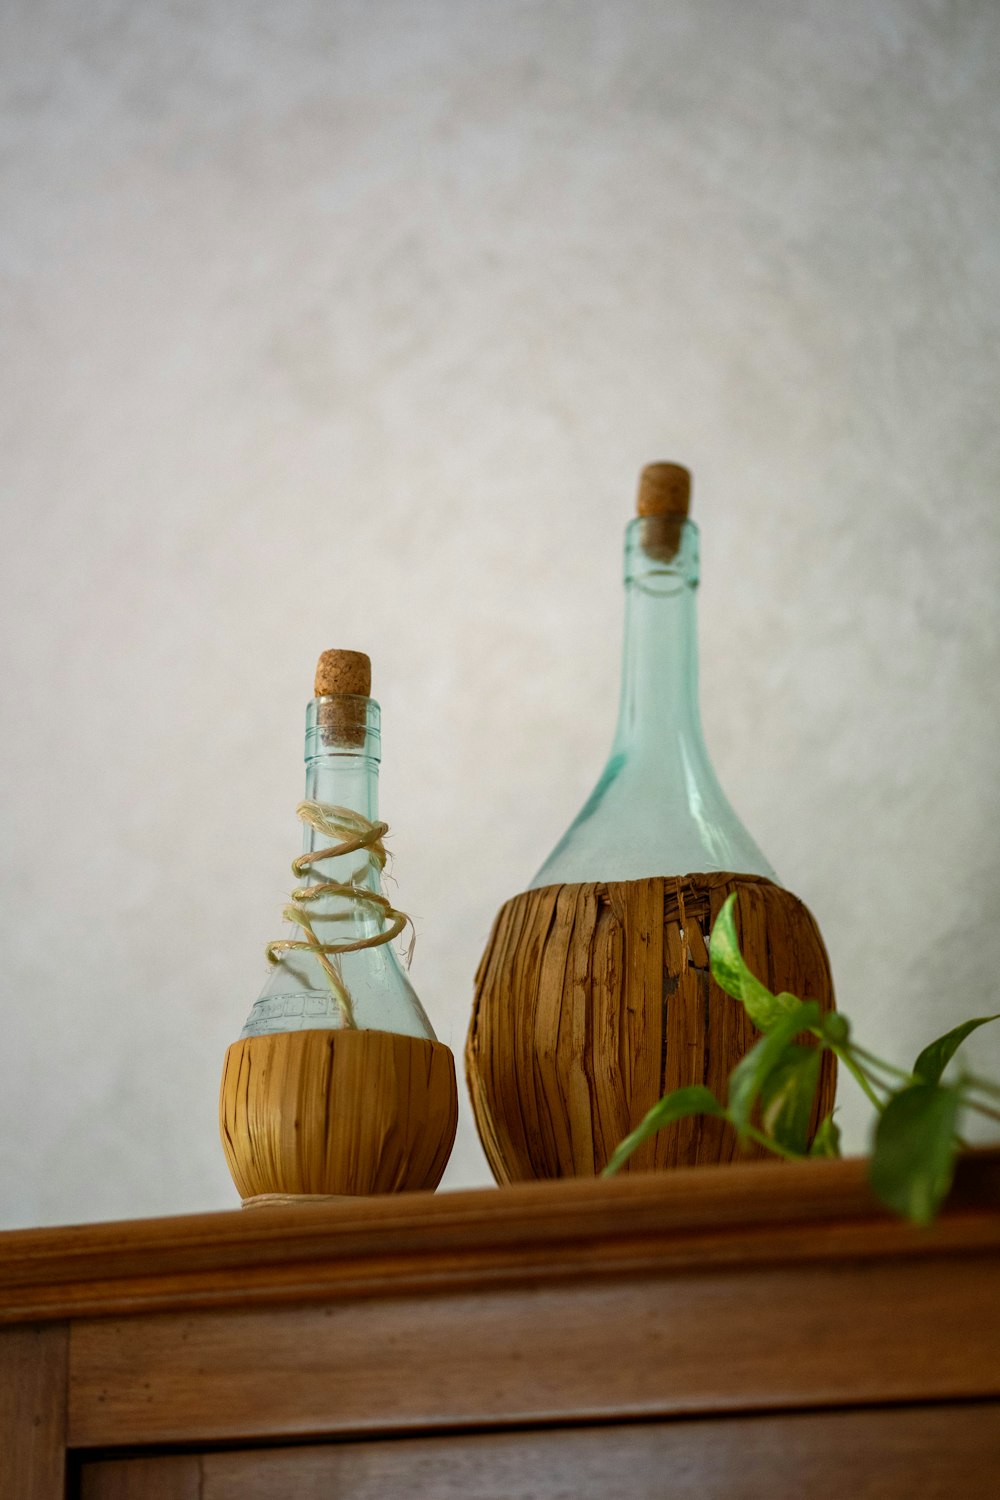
337, 1084
342, 755
658, 808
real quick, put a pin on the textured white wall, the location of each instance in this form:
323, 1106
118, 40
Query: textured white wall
350, 324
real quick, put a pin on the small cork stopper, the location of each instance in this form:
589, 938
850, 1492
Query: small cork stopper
344, 677
664, 490
662, 505
343, 672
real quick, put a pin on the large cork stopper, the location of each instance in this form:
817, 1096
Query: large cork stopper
345, 677
663, 503
664, 490
343, 672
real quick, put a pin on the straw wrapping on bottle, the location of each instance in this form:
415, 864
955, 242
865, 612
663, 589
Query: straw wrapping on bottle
354, 833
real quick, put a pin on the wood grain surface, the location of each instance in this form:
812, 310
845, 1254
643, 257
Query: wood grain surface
649, 1344
161, 1478
756, 1214
33, 1378
594, 1000
462, 1336
344, 1112
906, 1453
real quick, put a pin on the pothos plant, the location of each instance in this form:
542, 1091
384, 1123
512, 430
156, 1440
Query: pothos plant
917, 1113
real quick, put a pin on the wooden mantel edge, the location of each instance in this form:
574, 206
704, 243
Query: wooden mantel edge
688, 1218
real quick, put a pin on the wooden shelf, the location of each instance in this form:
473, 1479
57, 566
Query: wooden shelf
732, 1294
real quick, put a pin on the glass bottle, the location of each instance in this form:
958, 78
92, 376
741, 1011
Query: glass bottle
658, 808
337, 1085
594, 995
366, 987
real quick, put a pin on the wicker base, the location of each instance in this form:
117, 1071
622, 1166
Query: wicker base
296, 1200
337, 1113
594, 1000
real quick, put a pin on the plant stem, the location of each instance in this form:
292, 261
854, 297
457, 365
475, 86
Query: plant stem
843, 1054
982, 1084
880, 1063
983, 1109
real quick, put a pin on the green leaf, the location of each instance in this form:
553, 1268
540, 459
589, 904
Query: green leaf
786, 1097
826, 1141
937, 1055
773, 1051
914, 1156
679, 1105
732, 975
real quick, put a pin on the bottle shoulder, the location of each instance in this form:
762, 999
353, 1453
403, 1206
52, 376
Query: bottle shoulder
298, 997
636, 825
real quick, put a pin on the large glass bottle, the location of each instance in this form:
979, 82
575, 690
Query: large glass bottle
594, 996
658, 808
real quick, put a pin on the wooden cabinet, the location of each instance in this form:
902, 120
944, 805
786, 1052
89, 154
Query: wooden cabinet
716, 1332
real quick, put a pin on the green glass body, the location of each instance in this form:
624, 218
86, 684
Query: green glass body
341, 770
658, 808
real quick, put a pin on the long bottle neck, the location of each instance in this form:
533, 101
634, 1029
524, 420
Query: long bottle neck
342, 766
659, 723
658, 808
660, 787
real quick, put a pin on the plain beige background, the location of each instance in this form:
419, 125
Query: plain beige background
334, 323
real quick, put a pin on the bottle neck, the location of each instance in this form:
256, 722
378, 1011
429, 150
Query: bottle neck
658, 808
658, 717
342, 765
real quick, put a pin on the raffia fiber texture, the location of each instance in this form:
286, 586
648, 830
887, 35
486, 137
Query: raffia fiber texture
354, 833
593, 1000
337, 1112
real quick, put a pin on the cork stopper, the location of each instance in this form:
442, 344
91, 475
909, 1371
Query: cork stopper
345, 677
664, 490
343, 672
662, 504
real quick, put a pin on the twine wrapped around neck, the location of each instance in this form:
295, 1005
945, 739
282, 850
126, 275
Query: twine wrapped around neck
353, 833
